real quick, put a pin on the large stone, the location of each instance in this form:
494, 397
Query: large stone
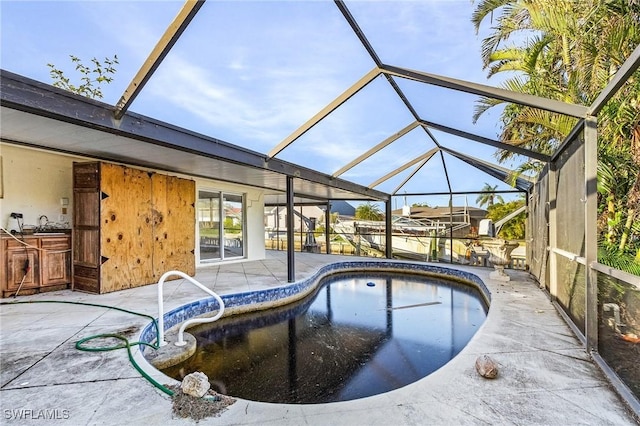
195, 384
487, 367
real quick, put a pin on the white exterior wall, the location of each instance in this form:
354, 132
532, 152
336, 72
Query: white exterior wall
34, 181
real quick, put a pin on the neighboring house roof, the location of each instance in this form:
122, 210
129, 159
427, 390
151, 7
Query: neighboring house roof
441, 212
342, 208
233, 211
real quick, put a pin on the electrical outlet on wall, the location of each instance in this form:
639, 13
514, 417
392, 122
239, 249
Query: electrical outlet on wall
62, 218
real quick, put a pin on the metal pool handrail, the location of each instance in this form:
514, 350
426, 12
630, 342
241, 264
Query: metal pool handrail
180, 341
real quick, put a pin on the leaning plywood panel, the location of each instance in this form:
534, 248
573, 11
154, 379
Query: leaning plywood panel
158, 216
181, 220
174, 224
126, 228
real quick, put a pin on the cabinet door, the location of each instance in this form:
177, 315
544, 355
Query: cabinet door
16, 262
55, 261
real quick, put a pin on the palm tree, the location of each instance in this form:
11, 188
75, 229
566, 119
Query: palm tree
488, 196
569, 51
369, 211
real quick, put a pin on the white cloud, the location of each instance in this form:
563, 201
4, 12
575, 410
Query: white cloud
194, 89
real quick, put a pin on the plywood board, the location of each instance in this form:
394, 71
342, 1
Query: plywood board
173, 215
126, 231
158, 213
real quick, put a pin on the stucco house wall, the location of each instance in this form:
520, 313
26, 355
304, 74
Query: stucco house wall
34, 181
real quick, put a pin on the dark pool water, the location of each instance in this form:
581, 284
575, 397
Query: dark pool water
355, 337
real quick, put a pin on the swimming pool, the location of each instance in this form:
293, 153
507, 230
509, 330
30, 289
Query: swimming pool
357, 334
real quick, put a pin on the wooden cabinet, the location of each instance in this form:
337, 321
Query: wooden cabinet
49, 263
130, 226
17, 256
55, 260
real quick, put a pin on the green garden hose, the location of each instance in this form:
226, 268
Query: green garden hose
126, 343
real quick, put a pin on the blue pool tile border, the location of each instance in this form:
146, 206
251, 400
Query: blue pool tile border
253, 300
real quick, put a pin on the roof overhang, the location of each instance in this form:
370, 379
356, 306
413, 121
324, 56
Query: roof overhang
38, 115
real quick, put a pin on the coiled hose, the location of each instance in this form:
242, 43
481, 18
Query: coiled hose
125, 342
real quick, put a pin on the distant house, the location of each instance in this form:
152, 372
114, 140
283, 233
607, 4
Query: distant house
275, 217
463, 219
343, 208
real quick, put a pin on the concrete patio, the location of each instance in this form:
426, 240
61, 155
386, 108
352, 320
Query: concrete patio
545, 377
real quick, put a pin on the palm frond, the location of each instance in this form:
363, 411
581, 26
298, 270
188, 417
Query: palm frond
610, 256
485, 8
482, 105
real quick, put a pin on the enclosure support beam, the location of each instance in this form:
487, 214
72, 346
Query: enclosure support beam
446, 171
342, 98
291, 266
422, 194
388, 244
619, 79
496, 144
553, 234
376, 148
327, 228
522, 182
567, 140
450, 228
157, 55
591, 230
552, 105
426, 156
528, 234
408, 178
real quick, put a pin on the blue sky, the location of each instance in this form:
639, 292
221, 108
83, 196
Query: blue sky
251, 72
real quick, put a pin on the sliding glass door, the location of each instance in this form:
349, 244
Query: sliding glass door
221, 225
233, 225
209, 225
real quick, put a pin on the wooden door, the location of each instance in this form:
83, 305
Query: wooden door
86, 226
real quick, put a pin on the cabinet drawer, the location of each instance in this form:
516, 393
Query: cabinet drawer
55, 243
12, 244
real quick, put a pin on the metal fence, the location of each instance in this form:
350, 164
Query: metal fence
466, 251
